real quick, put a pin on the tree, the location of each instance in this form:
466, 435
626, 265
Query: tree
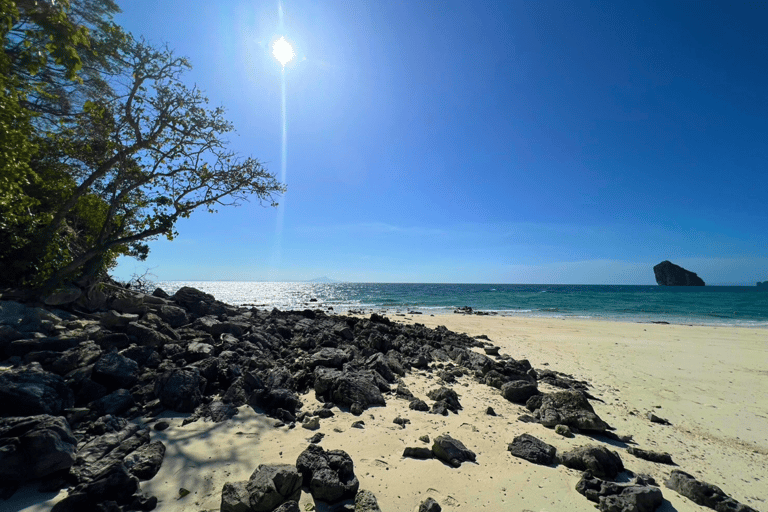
152, 154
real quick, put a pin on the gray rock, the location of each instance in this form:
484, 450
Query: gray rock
30, 391
114, 371
115, 484
328, 474
235, 497
568, 408
563, 430
173, 315
24, 319
599, 460
66, 295
430, 505
703, 493
271, 485
613, 497
532, 449
519, 391
452, 451
107, 450
347, 388
114, 320
147, 336
418, 405
145, 462
115, 403
179, 389
311, 423
365, 501
328, 357
661, 458
34, 447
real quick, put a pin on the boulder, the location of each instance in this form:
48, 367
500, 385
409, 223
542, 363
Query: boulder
519, 391
107, 450
34, 447
271, 485
329, 475
446, 395
145, 462
114, 371
179, 389
599, 460
613, 497
115, 485
704, 494
452, 451
328, 357
568, 408
532, 449
365, 501
30, 391
347, 388
430, 505
669, 274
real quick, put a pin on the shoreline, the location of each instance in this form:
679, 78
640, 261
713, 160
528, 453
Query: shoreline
680, 372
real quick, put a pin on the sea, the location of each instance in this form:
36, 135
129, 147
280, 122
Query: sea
745, 306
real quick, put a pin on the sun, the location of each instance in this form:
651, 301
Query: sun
282, 51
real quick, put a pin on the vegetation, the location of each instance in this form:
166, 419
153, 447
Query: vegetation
102, 145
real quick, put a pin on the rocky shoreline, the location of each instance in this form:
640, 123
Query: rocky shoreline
78, 384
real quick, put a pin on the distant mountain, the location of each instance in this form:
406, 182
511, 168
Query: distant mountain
323, 279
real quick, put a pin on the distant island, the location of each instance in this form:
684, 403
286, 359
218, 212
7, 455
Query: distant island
323, 279
763, 285
669, 274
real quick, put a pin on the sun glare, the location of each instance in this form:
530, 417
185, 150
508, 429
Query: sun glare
282, 51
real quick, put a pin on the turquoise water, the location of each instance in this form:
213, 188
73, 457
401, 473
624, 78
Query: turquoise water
715, 305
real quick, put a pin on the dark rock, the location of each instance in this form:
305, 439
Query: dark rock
598, 460
30, 391
563, 430
418, 405
655, 419
34, 447
146, 336
661, 458
288, 506
669, 274
365, 501
179, 389
568, 408
446, 395
172, 315
613, 497
491, 351
519, 391
107, 450
532, 449
115, 371
452, 451
329, 475
490, 412
145, 462
271, 485
235, 498
418, 452
440, 407
162, 425
401, 421
114, 320
430, 505
328, 357
347, 388
116, 403
704, 494
115, 484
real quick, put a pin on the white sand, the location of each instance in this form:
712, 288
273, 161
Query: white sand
711, 383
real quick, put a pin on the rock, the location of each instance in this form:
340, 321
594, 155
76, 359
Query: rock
418, 405
491, 351
66, 295
235, 498
104, 451
661, 458
115, 403
598, 460
446, 395
568, 408
147, 336
311, 423
347, 388
519, 391
563, 430
34, 447
288, 506
328, 357
114, 485
452, 451
179, 389
430, 505
418, 452
669, 274
25, 319
145, 462
115, 371
704, 494
329, 475
613, 497
172, 315
401, 421
365, 501
532, 449
655, 419
271, 485
31, 391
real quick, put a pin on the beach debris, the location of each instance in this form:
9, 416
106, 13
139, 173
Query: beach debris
702, 493
329, 475
610, 496
365, 501
430, 505
527, 447
567, 408
661, 458
452, 451
269, 487
598, 460
316, 438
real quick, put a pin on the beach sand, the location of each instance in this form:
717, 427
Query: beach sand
711, 383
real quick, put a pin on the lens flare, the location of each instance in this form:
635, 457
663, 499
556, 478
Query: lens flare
282, 51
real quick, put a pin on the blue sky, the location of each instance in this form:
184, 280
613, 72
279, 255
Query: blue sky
505, 142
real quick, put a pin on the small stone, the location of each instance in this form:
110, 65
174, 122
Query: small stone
311, 423
183, 492
424, 438
358, 424
490, 412
563, 430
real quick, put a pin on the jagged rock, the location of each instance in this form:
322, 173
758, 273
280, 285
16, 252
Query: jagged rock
669, 274
430, 505
34, 447
446, 395
25, 319
704, 494
107, 450
114, 485
568, 408
347, 388
173, 315
114, 371
563, 430
235, 498
418, 452
418, 405
311, 423
613, 497
30, 391
117, 402
147, 336
329, 475
519, 391
365, 501
66, 295
532, 449
599, 460
656, 419
145, 462
179, 389
271, 485
661, 458
114, 320
452, 451
328, 357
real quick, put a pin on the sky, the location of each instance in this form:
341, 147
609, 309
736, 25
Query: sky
479, 142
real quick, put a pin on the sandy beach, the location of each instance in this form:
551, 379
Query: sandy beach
709, 382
